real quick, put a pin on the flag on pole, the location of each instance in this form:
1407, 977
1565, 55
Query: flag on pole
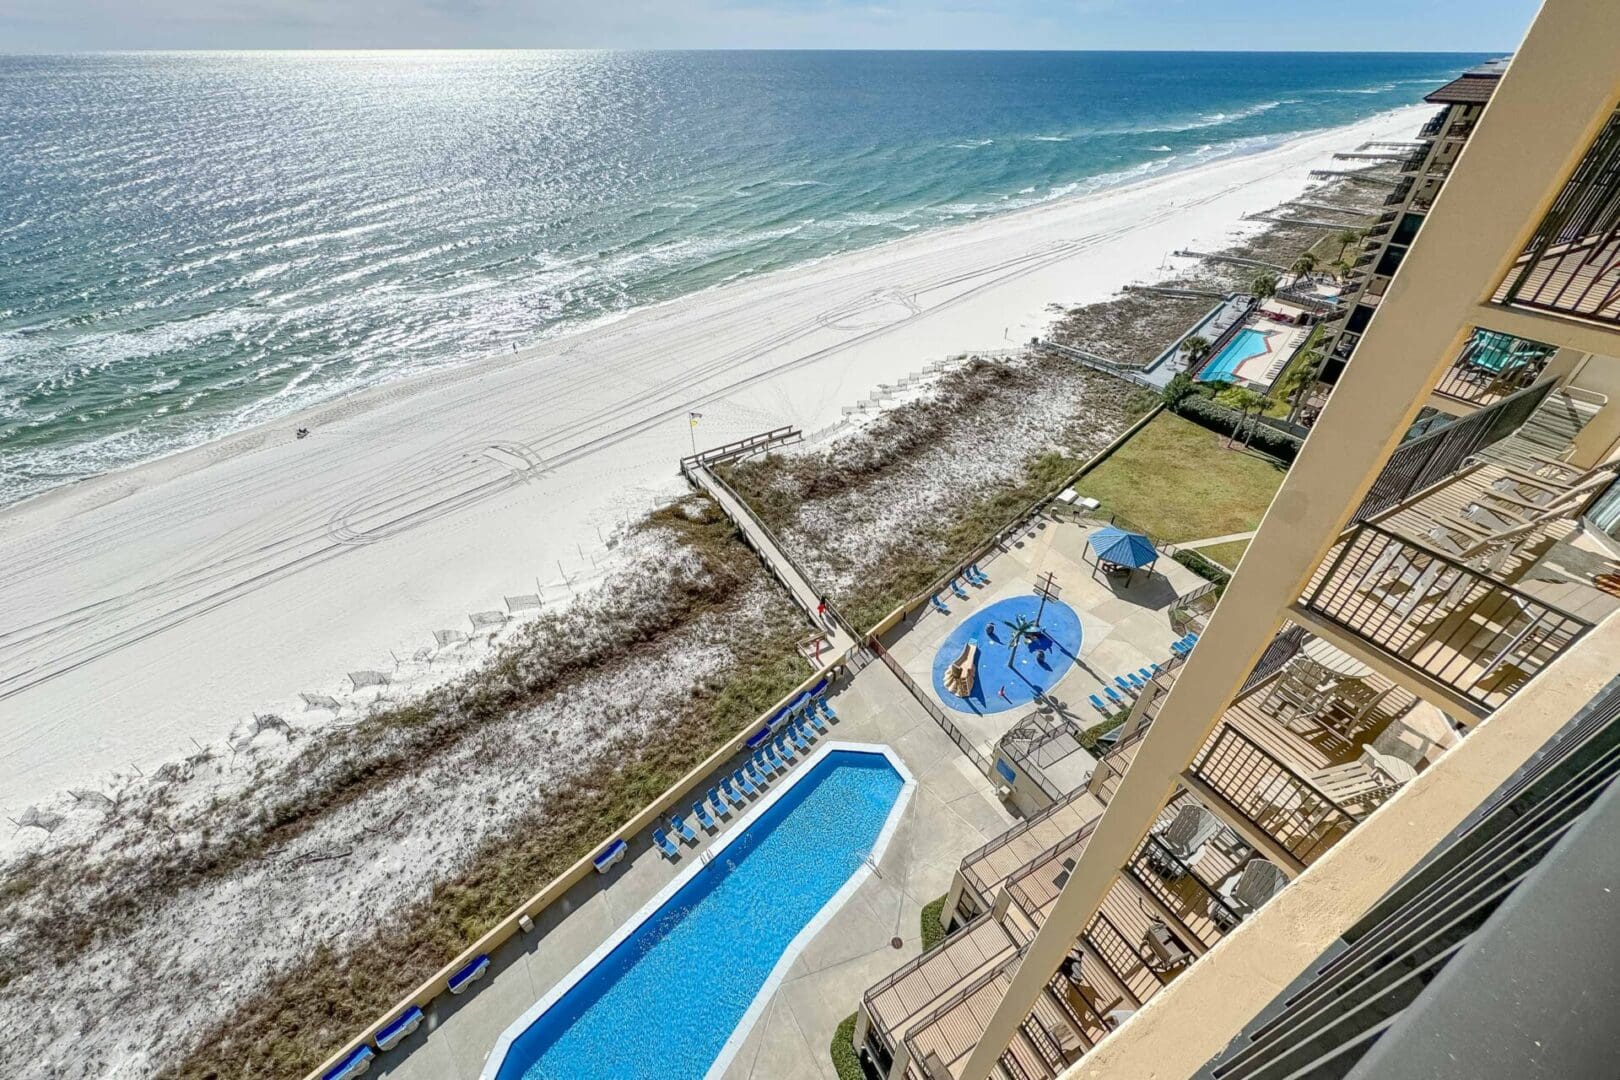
693, 417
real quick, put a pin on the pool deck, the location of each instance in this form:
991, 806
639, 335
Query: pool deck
1124, 627
952, 811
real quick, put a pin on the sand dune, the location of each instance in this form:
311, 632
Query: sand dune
150, 607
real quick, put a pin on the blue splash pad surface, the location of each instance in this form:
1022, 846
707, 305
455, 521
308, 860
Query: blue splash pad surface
1035, 671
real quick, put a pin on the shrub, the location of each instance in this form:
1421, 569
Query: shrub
846, 1062
1220, 419
933, 930
1202, 567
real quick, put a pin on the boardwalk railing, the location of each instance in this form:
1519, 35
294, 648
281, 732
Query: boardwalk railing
931, 707
754, 444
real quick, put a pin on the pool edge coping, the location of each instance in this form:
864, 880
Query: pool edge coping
745, 1024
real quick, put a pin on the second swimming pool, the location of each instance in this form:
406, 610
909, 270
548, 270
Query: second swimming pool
1246, 344
673, 994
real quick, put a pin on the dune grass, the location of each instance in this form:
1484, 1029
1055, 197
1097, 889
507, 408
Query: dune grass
1178, 481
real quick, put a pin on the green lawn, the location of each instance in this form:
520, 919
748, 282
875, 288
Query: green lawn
1179, 482
1225, 554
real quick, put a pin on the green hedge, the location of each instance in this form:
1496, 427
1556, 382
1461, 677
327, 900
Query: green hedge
933, 930
1202, 567
1217, 417
846, 1062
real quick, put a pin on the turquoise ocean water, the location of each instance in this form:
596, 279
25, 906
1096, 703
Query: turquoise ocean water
192, 243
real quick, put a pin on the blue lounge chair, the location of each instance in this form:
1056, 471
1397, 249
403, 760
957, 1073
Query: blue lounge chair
956, 587
764, 764
776, 763
1136, 681
1113, 695
983, 578
682, 829
754, 777
1096, 703
827, 710
743, 784
1180, 649
1147, 676
666, 845
1122, 684
1192, 637
784, 749
705, 818
798, 741
939, 605
732, 795
813, 718
719, 805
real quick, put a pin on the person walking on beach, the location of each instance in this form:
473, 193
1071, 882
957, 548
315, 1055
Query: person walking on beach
821, 608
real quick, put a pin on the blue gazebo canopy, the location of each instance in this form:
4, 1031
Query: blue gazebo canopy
1122, 548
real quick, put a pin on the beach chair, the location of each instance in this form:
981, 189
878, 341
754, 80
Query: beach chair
1113, 695
1191, 828
939, 605
1191, 638
733, 796
705, 818
666, 845
1245, 894
827, 711
783, 748
1180, 649
813, 718
1097, 703
742, 784
683, 830
1147, 674
980, 577
798, 742
776, 763
1136, 681
753, 776
1119, 681
764, 764
956, 587
719, 805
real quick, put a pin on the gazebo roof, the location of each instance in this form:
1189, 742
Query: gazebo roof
1122, 548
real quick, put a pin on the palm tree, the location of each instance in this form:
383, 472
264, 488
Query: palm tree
1024, 630
1346, 237
1342, 268
1303, 265
1195, 348
1245, 401
1264, 285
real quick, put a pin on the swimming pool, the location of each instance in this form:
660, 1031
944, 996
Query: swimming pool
1245, 345
673, 993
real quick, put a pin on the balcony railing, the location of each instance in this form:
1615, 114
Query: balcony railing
1428, 460
1159, 873
1435, 125
1572, 263
1464, 630
1493, 365
1271, 796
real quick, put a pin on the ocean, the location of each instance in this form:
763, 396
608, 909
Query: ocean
192, 243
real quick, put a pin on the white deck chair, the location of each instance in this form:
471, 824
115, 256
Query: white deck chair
1192, 827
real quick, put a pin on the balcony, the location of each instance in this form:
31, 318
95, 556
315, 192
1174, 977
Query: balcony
1493, 366
1571, 265
985, 870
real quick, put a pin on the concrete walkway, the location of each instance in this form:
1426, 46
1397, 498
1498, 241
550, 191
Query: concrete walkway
1213, 541
761, 540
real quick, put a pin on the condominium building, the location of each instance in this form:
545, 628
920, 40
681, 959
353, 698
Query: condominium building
1320, 844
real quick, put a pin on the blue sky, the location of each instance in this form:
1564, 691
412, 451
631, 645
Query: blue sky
1395, 25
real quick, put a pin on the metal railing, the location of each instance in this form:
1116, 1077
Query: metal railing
1163, 875
880, 1023
1271, 796
1572, 264
1123, 958
977, 883
1493, 365
931, 707
1465, 630
1433, 457
1283, 648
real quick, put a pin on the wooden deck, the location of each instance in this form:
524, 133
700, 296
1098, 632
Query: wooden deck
919, 986
985, 869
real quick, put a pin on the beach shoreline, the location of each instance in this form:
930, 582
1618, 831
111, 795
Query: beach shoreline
161, 604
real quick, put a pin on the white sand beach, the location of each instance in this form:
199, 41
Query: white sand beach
151, 608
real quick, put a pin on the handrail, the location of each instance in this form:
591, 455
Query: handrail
1013, 833
1166, 895
1311, 838
752, 444
916, 962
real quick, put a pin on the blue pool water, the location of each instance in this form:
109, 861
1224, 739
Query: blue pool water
1246, 345
664, 1002
1033, 672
